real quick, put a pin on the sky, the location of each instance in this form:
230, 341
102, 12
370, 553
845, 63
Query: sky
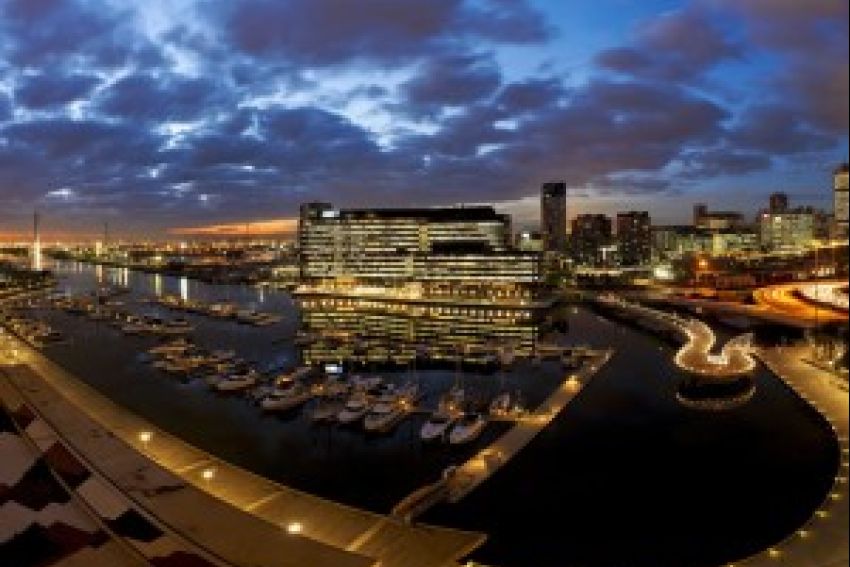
163, 116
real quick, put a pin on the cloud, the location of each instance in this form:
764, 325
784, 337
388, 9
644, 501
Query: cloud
163, 97
44, 32
198, 113
777, 130
54, 88
325, 32
678, 46
451, 80
811, 39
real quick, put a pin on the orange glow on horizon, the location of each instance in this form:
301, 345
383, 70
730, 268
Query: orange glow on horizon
256, 228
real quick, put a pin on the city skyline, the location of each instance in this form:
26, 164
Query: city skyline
132, 118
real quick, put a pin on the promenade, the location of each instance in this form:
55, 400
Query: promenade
696, 353
822, 541
217, 505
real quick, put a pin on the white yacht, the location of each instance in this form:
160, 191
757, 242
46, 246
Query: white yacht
437, 425
173, 347
467, 429
237, 382
285, 399
384, 416
354, 410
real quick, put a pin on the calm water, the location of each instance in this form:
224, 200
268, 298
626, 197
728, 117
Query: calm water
623, 477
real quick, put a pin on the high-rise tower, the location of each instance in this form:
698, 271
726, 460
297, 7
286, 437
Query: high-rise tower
553, 216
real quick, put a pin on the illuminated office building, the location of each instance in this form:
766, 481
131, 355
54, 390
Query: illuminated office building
841, 203
793, 229
381, 284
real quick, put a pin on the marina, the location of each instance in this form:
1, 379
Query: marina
303, 447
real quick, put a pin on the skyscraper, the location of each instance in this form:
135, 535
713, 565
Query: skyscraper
778, 202
634, 238
590, 235
841, 186
553, 216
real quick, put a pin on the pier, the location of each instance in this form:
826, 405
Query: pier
213, 504
458, 482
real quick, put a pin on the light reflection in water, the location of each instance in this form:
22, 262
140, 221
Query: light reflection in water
184, 288
157, 285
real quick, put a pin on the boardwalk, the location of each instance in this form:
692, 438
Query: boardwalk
490, 459
696, 353
218, 505
822, 541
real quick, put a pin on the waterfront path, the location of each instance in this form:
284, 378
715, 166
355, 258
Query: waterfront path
822, 541
695, 354
233, 514
486, 462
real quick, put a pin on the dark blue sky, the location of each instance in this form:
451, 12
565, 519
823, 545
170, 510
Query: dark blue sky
162, 113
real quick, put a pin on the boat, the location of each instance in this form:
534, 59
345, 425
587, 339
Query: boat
501, 404
354, 410
446, 414
175, 327
287, 398
173, 347
326, 411
384, 416
409, 393
467, 429
436, 426
333, 388
221, 310
296, 375
236, 382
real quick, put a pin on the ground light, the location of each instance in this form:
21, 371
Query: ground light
294, 528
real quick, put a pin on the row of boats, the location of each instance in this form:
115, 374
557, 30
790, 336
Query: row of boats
218, 310
369, 402
112, 313
36, 333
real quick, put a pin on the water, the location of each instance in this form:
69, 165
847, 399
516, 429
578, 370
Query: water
623, 477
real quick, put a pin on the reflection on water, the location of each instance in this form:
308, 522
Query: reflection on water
626, 474
157, 285
184, 288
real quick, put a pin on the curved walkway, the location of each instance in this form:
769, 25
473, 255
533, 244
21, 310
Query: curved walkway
220, 504
695, 355
823, 540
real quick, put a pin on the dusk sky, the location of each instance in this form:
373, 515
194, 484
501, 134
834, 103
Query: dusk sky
159, 114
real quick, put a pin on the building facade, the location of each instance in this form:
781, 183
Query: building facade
841, 202
716, 220
590, 240
634, 238
381, 285
553, 216
793, 229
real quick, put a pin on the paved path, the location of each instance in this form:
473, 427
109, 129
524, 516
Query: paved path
823, 540
486, 462
696, 354
222, 506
